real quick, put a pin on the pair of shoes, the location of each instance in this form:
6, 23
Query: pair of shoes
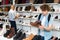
22, 36
12, 33
17, 35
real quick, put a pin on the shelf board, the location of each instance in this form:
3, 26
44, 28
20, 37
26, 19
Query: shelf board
32, 12
56, 19
26, 4
5, 5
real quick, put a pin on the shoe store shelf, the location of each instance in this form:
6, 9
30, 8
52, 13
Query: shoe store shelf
26, 4
32, 14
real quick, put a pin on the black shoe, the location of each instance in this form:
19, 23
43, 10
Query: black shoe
22, 37
35, 37
17, 35
56, 38
7, 33
59, 39
56, 17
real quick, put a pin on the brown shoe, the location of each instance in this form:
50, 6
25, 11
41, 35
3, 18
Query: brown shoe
30, 37
12, 33
35, 24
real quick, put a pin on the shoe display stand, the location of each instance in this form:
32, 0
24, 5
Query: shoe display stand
23, 22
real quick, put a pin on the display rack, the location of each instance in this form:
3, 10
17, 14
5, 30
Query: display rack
22, 24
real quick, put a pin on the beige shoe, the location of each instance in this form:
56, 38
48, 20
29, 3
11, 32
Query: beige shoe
30, 37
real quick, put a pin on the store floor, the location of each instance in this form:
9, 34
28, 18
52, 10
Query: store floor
3, 38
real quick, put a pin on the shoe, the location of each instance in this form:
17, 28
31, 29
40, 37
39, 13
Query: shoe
7, 33
12, 33
35, 24
22, 37
1, 25
17, 35
36, 15
59, 39
3, 20
30, 16
30, 37
56, 17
